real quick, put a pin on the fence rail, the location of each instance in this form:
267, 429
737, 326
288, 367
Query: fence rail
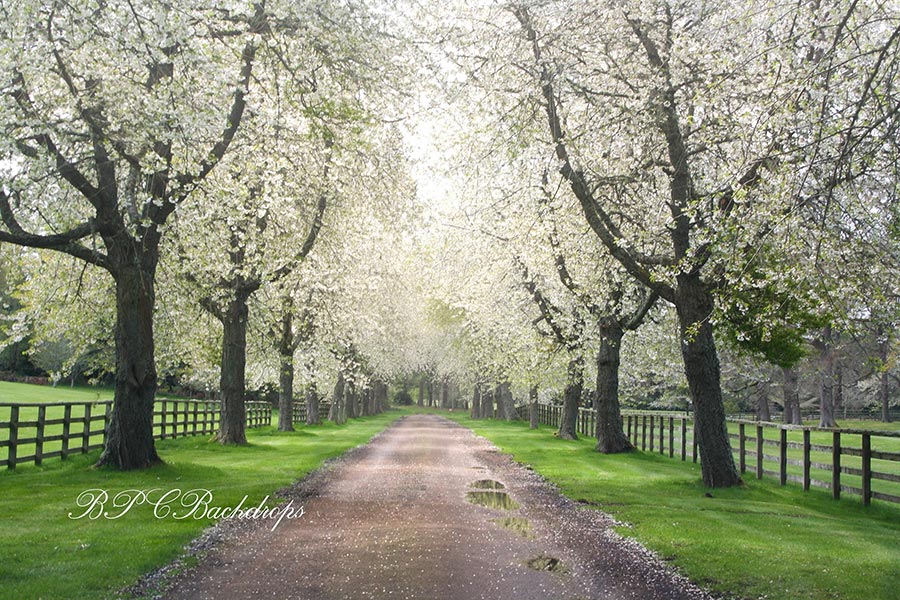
299, 414
853, 461
31, 432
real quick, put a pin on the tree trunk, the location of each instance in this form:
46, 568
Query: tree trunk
884, 389
129, 441
286, 394
476, 402
694, 305
381, 397
351, 401
611, 438
445, 396
533, 407
337, 413
826, 379
286, 374
571, 398
508, 402
421, 401
487, 403
312, 405
430, 394
233, 418
498, 398
792, 414
838, 394
368, 400
762, 403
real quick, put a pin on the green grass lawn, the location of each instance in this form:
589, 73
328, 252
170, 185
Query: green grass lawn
647, 434
760, 540
756, 541
25, 392
825, 438
40, 394
45, 554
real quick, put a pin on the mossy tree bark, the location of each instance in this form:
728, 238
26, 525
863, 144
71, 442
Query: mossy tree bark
571, 400
611, 438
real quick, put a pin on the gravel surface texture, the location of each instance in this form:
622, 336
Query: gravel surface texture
395, 519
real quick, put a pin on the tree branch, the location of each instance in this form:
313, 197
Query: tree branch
235, 115
635, 320
680, 182
596, 217
316, 226
548, 310
212, 308
63, 242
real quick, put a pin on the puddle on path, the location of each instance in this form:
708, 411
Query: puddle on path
546, 563
492, 499
520, 525
487, 484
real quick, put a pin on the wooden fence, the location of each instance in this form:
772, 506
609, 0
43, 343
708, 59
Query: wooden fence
848, 461
32, 432
299, 415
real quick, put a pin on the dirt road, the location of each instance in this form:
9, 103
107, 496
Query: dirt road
400, 518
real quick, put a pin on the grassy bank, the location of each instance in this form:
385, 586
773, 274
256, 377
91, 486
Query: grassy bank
757, 541
45, 554
24, 392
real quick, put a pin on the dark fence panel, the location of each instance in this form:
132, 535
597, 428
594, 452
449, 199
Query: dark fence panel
299, 415
32, 432
861, 462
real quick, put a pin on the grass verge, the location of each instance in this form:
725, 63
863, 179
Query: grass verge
26, 392
45, 554
760, 540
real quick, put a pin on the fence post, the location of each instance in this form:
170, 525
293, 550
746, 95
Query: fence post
644, 432
162, 423
628, 435
652, 434
67, 421
13, 436
39, 437
671, 437
759, 451
742, 447
866, 469
184, 427
195, 414
836, 465
662, 435
694, 441
806, 461
782, 456
683, 439
86, 434
106, 417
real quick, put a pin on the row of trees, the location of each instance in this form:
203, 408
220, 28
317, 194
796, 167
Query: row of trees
735, 162
190, 159
605, 192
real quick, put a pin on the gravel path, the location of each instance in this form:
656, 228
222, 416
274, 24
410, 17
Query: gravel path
392, 520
